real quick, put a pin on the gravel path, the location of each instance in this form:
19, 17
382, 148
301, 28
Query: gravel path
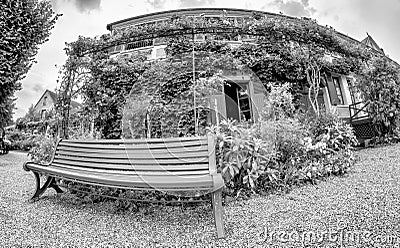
361, 209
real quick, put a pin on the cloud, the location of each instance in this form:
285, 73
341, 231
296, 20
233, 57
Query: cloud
195, 3
294, 7
87, 5
38, 87
83, 6
157, 4
163, 4
336, 18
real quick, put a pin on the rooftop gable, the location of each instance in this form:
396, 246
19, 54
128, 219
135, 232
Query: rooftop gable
54, 98
368, 41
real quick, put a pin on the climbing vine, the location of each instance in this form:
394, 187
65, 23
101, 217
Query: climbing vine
278, 50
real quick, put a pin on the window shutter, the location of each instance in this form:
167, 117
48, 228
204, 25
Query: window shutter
332, 91
258, 101
218, 105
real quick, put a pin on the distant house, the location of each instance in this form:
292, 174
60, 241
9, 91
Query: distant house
47, 102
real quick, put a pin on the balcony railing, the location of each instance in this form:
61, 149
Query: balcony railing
359, 111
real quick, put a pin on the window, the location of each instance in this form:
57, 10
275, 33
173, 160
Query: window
199, 37
352, 91
160, 41
237, 101
139, 44
115, 49
160, 53
45, 101
338, 89
43, 114
244, 103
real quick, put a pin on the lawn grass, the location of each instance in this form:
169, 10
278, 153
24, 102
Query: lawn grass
365, 202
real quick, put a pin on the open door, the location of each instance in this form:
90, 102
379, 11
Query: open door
237, 100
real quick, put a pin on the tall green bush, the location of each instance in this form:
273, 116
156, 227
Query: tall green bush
42, 149
277, 154
380, 87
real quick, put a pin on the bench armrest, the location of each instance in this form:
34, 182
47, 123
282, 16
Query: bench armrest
218, 182
31, 162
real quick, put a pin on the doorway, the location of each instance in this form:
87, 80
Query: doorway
237, 99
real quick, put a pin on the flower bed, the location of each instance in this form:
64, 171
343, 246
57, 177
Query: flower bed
278, 154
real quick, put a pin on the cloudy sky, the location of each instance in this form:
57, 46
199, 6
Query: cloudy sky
380, 18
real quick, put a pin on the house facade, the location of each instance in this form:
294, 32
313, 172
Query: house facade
243, 95
46, 104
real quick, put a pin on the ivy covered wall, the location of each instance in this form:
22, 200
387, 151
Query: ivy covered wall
283, 50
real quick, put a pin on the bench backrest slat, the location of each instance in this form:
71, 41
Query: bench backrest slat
184, 156
190, 151
140, 141
139, 170
132, 153
133, 146
133, 161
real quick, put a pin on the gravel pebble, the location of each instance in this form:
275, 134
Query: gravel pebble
365, 202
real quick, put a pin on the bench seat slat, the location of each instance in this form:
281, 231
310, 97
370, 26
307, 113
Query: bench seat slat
135, 161
139, 181
142, 170
130, 167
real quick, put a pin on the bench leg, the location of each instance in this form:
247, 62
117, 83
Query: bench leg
50, 182
216, 201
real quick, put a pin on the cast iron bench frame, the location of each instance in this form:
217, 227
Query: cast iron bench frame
168, 165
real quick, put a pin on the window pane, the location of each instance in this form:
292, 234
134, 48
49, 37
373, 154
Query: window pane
244, 103
338, 89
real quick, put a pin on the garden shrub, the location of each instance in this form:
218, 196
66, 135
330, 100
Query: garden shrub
289, 151
282, 149
328, 127
329, 148
317, 125
241, 153
42, 149
134, 117
279, 103
80, 126
21, 140
277, 154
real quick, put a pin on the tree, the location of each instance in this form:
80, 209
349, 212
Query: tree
31, 115
73, 74
380, 87
24, 25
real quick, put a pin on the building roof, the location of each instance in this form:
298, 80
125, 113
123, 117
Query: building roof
162, 15
52, 95
187, 11
54, 98
371, 43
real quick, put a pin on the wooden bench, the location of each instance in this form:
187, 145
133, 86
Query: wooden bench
167, 165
